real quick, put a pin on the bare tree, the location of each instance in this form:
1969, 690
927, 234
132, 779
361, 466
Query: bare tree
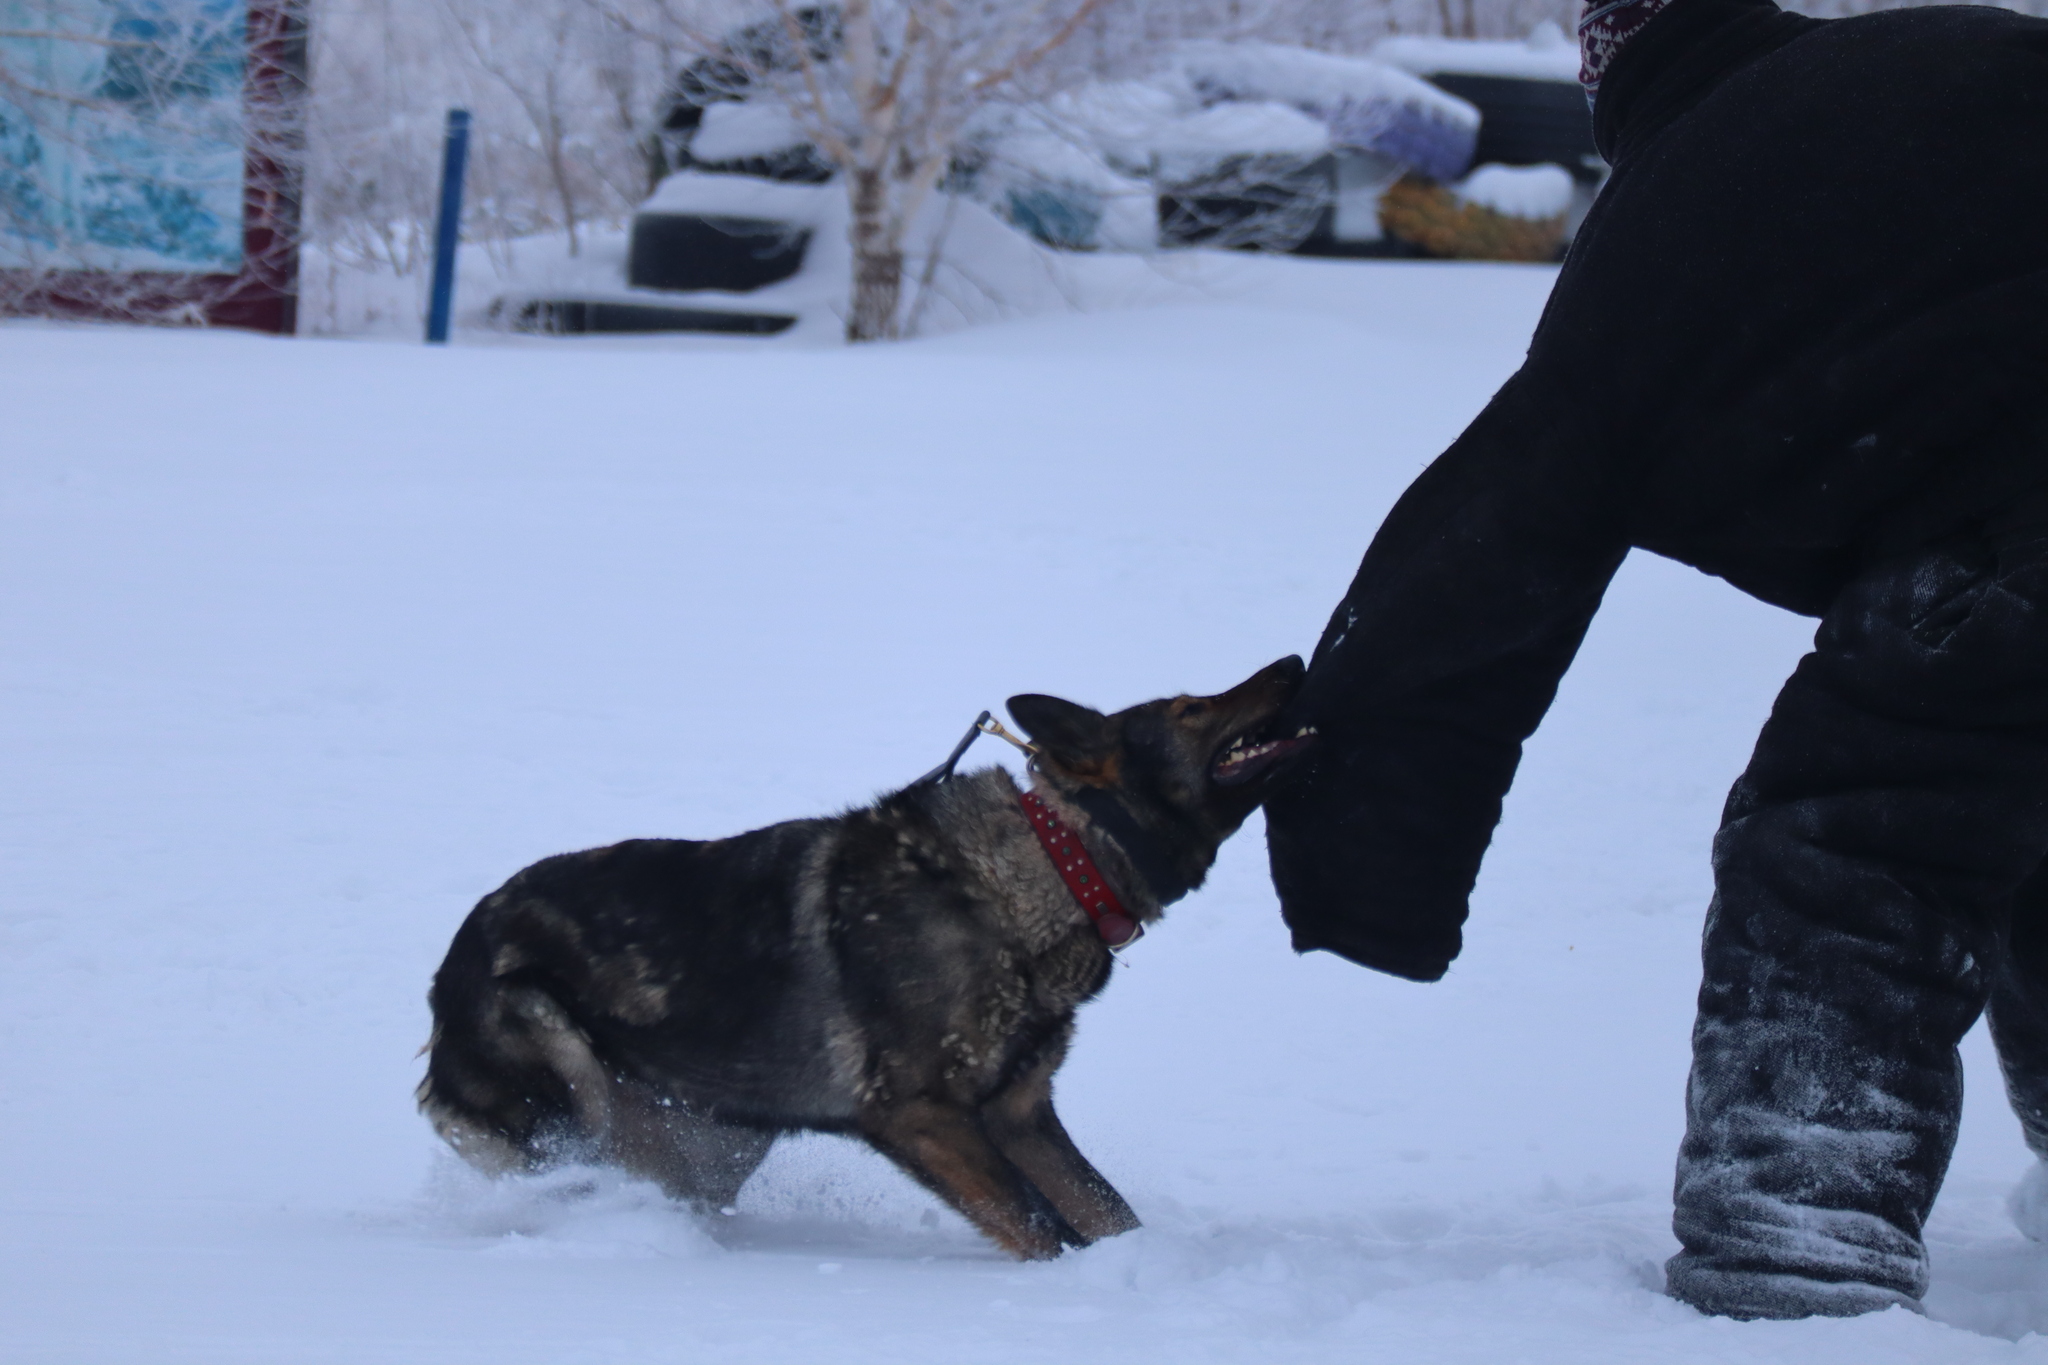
542, 57
377, 90
886, 90
911, 104
564, 104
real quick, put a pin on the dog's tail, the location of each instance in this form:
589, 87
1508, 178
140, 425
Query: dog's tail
512, 1083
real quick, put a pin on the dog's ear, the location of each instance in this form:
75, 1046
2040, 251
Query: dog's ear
1076, 737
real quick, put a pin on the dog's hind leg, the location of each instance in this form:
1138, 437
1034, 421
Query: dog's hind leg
1020, 1120
693, 1158
512, 1083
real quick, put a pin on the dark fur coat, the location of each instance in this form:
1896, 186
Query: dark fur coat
1805, 327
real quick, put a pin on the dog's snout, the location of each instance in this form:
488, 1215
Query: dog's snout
1270, 686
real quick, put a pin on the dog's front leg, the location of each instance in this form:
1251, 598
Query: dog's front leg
1021, 1121
944, 1147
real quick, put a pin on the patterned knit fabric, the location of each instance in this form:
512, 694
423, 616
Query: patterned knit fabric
1604, 27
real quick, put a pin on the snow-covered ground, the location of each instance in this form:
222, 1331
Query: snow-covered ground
308, 644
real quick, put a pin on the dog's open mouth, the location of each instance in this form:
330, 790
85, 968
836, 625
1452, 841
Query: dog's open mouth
1257, 753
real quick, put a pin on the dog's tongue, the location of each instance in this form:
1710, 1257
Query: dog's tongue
1116, 930
1247, 758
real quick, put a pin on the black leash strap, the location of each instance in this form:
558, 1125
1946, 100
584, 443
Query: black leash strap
984, 724
945, 770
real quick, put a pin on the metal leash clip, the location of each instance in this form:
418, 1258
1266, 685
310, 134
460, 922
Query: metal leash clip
989, 725
984, 724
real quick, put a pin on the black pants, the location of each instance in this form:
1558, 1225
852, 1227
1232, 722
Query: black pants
1875, 887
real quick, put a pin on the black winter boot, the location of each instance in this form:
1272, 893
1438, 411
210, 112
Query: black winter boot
2019, 1012
2019, 1027
1866, 863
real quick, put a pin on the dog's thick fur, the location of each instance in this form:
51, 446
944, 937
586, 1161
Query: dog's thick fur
907, 972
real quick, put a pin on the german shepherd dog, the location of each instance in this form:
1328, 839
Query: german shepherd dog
906, 972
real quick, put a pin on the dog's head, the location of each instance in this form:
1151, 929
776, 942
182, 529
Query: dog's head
1188, 770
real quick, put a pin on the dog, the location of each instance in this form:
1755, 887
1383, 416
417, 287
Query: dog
906, 972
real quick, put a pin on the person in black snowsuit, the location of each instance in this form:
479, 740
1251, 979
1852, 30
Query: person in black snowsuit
1801, 342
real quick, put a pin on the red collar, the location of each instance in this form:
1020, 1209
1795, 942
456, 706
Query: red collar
1070, 857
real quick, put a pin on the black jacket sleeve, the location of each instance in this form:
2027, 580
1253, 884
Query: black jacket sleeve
1439, 662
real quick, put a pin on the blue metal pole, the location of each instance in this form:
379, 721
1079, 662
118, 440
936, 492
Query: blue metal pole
448, 231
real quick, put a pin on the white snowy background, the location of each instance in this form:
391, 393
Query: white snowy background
309, 644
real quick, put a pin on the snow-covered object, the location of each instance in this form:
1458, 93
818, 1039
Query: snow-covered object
1545, 55
987, 269
1127, 119
1076, 169
745, 196
1243, 128
1057, 185
1429, 144
1363, 103
1362, 177
1047, 154
1319, 80
758, 128
1082, 170
1519, 191
1244, 174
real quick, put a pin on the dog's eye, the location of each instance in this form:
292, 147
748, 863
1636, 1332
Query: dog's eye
1194, 708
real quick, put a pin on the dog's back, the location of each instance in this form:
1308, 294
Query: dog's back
707, 952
